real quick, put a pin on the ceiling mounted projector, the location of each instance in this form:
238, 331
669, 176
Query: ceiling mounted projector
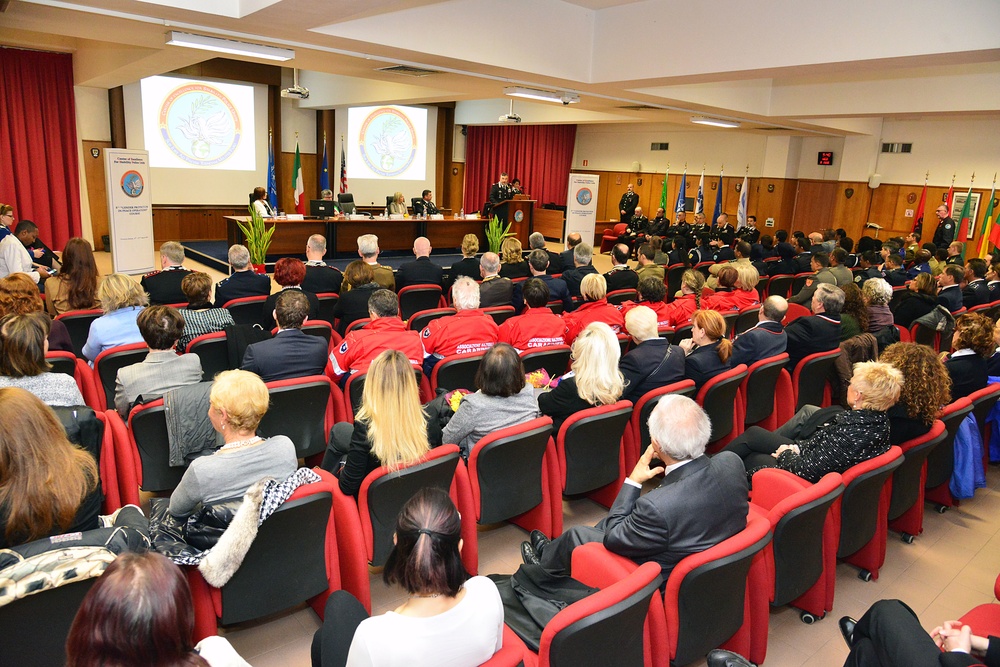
296, 91
510, 117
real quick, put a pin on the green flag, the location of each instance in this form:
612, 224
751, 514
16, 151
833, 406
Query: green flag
663, 193
966, 227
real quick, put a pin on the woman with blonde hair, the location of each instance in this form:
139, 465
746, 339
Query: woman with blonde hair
75, 286
22, 361
19, 295
926, 389
398, 204
512, 262
708, 351
595, 308
237, 403
122, 299
594, 378
468, 265
680, 309
390, 429
744, 278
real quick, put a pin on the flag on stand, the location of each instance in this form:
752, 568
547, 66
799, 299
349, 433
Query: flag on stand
663, 192
950, 199
324, 174
699, 203
272, 182
918, 218
718, 200
741, 212
298, 187
964, 223
988, 225
682, 194
343, 168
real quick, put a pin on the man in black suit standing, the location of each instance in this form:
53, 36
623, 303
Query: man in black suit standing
945, 232
583, 254
421, 271
976, 292
242, 281
291, 353
819, 332
321, 278
628, 204
701, 501
164, 286
949, 292
500, 192
767, 338
424, 205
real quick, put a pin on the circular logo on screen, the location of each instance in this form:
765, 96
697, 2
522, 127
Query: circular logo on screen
132, 184
200, 125
584, 196
518, 216
388, 142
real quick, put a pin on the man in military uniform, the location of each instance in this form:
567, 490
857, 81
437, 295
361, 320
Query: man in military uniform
164, 286
659, 225
320, 277
368, 250
723, 226
699, 227
636, 230
242, 281
680, 226
749, 232
945, 232
621, 275
628, 204
500, 191
424, 205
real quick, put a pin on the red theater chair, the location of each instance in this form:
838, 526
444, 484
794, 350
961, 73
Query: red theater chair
637, 435
767, 393
554, 359
610, 236
591, 452
985, 618
809, 379
456, 372
213, 351
906, 506
78, 325
68, 363
720, 398
415, 298
106, 368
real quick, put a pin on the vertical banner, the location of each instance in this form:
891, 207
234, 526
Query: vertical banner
130, 211
581, 206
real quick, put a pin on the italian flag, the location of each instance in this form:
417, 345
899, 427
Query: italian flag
298, 187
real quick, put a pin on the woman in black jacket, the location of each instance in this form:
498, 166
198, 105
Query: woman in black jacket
353, 304
921, 300
468, 265
708, 351
973, 345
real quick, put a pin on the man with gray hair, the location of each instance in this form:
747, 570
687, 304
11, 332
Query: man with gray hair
767, 338
537, 242
242, 281
700, 502
582, 256
468, 330
368, 250
495, 290
819, 332
164, 286
321, 278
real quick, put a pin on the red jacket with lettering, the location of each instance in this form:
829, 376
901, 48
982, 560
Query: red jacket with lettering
361, 346
592, 311
466, 331
661, 308
538, 327
734, 301
681, 309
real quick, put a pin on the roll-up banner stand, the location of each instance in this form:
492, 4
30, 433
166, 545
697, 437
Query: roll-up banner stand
581, 206
130, 210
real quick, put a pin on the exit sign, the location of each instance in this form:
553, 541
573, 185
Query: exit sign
824, 158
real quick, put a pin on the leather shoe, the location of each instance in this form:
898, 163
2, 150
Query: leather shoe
528, 554
538, 541
847, 629
719, 658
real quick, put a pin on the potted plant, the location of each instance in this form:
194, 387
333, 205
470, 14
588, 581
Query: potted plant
496, 232
257, 238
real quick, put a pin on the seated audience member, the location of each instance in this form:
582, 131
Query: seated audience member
895, 274
920, 299
876, 294
290, 353
359, 285
937, 262
742, 256
537, 326
819, 332
803, 255
648, 268
926, 389
139, 612
41, 254
201, 317
700, 502
976, 292
854, 313
15, 258
973, 345
993, 281
708, 351
122, 299
661, 252
449, 619
75, 286
468, 265
398, 204
162, 369
583, 254
237, 403
653, 362
321, 278
537, 242
949, 293
385, 332
512, 263
47, 485
495, 290
368, 250
678, 251
814, 442
572, 241
838, 257
955, 250
538, 263
421, 271
621, 275
390, 429
688, 299
22, 361
502, 399
652, 293
593, 380
261, 204
20, 296
164, 286
242, 281
289, 274
820, 263
921, 264
469, 330
993, 363
744, 293
595, 308
767, 338
786, 264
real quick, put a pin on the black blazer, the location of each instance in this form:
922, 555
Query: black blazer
556, 263
322, 279
267, 315
764, 340
495, 292
804, 262
557, 292
896, 277
902, 426
913, 307
976, 293
808, 335
724, 254
621, 279
239, 285
164, 287
652, 364
290, 354
421, 271
565, 260
353, 305
574, 277
782, 267
561, 403
467, 266
360, 460
703, 364
968, 374
515, 270
951, 298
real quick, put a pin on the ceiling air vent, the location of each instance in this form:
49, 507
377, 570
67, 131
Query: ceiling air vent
406, 70
897, 148
659, 146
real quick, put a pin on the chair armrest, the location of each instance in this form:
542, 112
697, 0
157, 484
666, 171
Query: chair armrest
597, 567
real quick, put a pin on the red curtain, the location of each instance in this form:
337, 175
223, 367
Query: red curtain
539, 155
39, 170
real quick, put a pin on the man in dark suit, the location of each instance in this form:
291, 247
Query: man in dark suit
291, 353
803, 256
819, 332
767, 338
242, 281
566, 256
653, 362
949, 293
621, 275
976, 292
321, 278
582, 256
700, 502
945, 232
637, 229
499, 192
628, 204
494, 290
537, 242
421, 271
424, 205
164, 286
558, 291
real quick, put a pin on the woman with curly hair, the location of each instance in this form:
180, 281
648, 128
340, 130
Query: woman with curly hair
877, 293
512, 263
854, 316
19, 296
926, 389
973, 345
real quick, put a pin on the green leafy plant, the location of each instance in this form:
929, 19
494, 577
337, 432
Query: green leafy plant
496, 232
257, 235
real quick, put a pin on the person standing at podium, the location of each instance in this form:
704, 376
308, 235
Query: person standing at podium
515, 187
500, 192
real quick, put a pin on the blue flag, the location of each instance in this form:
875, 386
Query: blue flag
682, 194
718, 202
272, 183
324, 175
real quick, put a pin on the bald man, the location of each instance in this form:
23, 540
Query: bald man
421, 271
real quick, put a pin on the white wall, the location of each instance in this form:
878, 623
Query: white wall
942, 147
297, 120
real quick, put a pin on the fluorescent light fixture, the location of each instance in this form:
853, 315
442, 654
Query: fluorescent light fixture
219, 45
541, 95
714, 122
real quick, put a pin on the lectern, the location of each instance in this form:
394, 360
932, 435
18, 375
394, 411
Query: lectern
518, 212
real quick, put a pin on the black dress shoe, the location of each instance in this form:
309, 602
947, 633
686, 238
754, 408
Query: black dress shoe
847, 630
528, 554
720, 658
538, 541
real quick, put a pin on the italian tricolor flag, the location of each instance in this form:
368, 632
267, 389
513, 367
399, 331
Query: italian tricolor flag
298, 186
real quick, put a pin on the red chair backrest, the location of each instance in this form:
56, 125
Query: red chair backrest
795, 311
759, 387
809, 377
718, 397
107, 365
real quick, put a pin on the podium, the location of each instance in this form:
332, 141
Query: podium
519, 213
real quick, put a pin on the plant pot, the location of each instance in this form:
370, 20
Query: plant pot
259, 268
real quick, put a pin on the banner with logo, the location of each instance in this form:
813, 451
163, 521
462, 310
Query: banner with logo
581, 206
130, 211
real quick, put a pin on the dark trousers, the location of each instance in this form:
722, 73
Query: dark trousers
890, 635
558, 554
336, 449
341, 619
756, 444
